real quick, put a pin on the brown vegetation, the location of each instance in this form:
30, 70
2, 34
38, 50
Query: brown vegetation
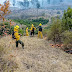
38, 56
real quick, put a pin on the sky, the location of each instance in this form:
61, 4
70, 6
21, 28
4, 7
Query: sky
65, 1
1, 1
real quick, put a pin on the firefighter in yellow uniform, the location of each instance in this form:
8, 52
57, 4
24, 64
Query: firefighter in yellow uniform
17, 36
27, 34
32, 30
40, 31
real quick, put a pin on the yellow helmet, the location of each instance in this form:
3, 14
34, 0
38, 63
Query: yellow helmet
32, 25
40, 24
27, 28
16, 27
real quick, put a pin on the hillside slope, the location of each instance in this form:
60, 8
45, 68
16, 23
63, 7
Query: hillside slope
32, 13
37, 56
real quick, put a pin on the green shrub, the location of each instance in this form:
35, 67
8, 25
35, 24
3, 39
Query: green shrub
67, 37
36, 31
67, 40
6, 29
48, 27
55, 31
49, 36
41, 20
36, 22
67, 19
21, 31
45, 31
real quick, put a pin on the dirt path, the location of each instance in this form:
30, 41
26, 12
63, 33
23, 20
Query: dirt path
37, 56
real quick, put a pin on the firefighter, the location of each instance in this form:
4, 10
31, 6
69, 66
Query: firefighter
32, 30
27, 34
17, 36
40, 31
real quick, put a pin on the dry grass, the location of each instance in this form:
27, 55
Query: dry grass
37, 56
6, 64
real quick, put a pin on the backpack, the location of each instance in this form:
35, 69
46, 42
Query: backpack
33, 30
40, 28
13, 35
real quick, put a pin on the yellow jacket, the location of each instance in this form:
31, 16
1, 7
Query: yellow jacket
27, 34
26, 30
16, 34
32, 28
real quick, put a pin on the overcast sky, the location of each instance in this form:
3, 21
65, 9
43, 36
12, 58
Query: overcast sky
69, 1
1, 1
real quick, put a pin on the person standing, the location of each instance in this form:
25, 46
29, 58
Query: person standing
32, 30
40, 31
17, 36
27, 34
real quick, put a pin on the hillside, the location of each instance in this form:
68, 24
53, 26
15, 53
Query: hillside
32, 13
37, 56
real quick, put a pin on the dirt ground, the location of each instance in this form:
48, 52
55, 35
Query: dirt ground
37, 55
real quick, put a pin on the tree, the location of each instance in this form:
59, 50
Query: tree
55, 31
4, 10
67, 19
